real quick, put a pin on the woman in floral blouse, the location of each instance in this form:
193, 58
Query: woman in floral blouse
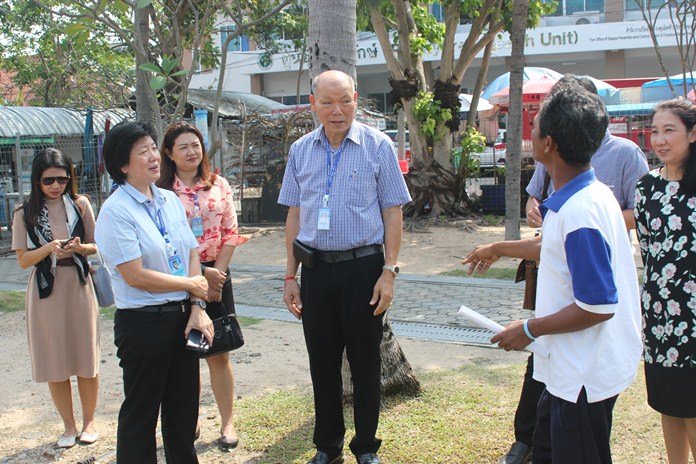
207, 199
666, 223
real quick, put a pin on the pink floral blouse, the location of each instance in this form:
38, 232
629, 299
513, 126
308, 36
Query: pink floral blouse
216, 208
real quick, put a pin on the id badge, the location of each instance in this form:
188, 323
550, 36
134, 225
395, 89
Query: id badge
197, 226
176, 267
324, 219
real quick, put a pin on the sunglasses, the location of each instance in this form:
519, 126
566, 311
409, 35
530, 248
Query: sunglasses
62, 180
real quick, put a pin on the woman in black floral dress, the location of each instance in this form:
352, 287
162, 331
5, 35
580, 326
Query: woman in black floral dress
665, 213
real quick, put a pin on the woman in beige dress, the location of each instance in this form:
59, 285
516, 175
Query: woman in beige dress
53, 231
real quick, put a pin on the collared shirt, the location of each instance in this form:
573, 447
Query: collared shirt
618, 164
586, 259
367, 180
126, 230
216, 209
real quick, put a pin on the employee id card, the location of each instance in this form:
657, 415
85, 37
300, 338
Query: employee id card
176, 266
324, 219
197, 226
196, 220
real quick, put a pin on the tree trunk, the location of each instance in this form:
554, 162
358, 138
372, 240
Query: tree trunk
397, 374
333, 36
143, 106
514, 146
333, 45
407, 78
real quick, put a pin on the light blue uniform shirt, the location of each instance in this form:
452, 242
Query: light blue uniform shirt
367, 180
618, 164
126, 230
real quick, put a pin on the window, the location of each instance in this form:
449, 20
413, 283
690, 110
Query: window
291, 100
238, 44
438, 11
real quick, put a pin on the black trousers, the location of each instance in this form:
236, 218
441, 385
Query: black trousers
336, 314
158, 371
573, 433
526, 414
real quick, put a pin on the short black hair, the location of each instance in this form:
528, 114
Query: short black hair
118, 144
576, 120
572, 79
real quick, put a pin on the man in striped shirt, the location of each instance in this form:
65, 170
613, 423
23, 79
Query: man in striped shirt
345, 191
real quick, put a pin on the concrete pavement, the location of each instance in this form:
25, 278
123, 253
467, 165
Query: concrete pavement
425, 307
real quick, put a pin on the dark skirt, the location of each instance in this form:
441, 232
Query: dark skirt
671, 390
226, 306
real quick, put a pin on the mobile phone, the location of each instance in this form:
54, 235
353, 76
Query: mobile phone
196, 341
64, 243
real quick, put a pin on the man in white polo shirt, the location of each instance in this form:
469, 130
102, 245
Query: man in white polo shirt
587, 308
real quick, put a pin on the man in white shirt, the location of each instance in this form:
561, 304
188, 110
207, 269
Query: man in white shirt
587, 309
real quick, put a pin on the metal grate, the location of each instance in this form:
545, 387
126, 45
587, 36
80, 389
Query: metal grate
415, 330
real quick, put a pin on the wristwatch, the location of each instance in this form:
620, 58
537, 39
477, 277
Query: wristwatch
393, 268
200, 303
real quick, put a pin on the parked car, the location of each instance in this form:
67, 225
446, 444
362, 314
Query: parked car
494, 155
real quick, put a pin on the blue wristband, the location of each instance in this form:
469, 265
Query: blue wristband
527, 332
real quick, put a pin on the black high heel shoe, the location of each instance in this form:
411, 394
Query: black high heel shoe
227, 444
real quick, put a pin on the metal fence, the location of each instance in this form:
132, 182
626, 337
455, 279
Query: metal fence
252, 158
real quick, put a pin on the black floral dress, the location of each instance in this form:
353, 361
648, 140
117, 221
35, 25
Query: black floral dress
666, 227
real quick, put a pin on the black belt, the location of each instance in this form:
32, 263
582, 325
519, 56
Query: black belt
65, 262
168, 307
333, 257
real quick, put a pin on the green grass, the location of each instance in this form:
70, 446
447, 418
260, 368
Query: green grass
11, 301
494, 219
492, 273
110, 312
462, 416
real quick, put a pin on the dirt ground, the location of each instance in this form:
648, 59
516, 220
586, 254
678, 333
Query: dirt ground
274, 356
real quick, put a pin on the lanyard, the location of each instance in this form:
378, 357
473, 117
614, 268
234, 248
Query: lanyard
159, 222
196, 207
331, 170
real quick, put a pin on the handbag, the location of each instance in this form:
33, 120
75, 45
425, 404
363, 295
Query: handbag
527, 271
101, 279
228, 335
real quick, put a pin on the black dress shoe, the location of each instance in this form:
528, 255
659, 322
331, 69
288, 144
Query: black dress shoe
520, 453
323, 458
368, 458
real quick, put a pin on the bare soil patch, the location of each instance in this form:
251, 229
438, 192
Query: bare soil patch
274, 356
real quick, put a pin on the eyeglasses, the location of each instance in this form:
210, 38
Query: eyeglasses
62, 180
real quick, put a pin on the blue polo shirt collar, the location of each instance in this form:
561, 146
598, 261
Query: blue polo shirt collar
138, 196
353, 135
558, 199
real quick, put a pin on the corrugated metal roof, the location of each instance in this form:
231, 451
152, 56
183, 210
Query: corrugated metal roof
233, 104
32, 121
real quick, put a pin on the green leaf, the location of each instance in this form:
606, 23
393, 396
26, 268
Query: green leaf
121, 6
168, 64
149, 67
158, 82
82, 38
183, 72
74, 28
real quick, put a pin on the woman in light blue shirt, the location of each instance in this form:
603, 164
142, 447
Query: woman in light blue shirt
143, 234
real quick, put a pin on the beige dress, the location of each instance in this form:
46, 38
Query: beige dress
63, 329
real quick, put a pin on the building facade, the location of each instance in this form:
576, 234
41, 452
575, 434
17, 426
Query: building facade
607, 39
